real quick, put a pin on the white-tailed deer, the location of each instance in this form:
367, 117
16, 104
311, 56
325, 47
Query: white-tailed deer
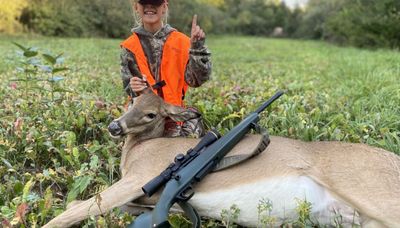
357, 181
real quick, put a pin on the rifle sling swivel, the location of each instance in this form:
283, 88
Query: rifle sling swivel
229, 161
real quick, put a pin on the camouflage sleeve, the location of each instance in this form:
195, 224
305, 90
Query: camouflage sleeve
126, 57
199, 66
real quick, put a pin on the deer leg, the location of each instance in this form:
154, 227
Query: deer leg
74, 203
116, 195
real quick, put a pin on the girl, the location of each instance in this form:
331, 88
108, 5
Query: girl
166, 58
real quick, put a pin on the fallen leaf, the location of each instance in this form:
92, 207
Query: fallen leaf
22, 209
6, 224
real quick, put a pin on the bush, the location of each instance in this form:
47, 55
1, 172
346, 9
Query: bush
312, 25
362, 23
78, 18
10, 11
53, 142
366, 23
255, 17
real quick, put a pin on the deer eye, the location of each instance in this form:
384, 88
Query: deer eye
151, 115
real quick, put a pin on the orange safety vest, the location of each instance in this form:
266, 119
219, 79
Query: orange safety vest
174, 59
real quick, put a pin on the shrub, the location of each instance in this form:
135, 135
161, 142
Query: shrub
366, 23
53, 142
10, 11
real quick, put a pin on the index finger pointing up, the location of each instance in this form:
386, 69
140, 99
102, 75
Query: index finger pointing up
194, 21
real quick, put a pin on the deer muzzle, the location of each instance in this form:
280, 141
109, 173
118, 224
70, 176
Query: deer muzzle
115, 128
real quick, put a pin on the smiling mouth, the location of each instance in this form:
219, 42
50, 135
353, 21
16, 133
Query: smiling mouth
149, 13
149, 10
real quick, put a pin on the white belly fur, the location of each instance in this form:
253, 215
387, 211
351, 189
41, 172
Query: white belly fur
282, 192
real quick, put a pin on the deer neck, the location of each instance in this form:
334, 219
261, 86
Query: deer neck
132, 141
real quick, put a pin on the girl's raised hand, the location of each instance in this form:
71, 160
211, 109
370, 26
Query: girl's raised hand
197, 33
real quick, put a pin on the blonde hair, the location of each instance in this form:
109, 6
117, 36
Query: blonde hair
138, 19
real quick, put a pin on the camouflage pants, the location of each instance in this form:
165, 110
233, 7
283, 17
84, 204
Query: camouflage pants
193, 128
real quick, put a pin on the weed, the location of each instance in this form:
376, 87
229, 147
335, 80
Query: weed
35, 70
264, 210
229, 216
303, 210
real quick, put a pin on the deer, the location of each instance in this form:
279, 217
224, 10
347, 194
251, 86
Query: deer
357, 181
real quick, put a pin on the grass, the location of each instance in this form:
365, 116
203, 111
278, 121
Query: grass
54, 151
333, 93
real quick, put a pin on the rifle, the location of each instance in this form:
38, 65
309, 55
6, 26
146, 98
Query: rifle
191, 168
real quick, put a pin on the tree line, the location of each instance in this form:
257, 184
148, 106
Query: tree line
361, 23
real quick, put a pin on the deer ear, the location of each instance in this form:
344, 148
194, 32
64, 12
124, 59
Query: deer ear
178, 113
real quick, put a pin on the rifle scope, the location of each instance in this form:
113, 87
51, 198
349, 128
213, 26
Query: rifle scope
180, 161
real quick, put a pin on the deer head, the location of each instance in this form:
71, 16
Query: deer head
145, 118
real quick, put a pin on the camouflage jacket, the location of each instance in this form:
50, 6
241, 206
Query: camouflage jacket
198, 69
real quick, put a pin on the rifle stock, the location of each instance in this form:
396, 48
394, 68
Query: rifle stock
178, 189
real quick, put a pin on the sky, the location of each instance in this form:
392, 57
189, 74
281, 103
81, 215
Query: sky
293, 3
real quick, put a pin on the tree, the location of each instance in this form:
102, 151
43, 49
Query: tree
79, 17
10, 11
366, 23
255, 17
60, 18
317, 12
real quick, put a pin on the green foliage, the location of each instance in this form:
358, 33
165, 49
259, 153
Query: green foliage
179, 221
53, 142
313, 20
34, 70
264, 209
107, 18
365, 23
361, 23
256, 17
229, 216
54, 151
61, 18
78, 18
303, 209
321, 102
10, 11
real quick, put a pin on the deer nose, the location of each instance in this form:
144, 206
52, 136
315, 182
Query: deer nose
115, 128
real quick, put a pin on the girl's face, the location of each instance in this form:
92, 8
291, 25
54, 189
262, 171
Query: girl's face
151, 15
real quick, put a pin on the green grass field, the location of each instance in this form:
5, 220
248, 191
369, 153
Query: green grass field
53, 151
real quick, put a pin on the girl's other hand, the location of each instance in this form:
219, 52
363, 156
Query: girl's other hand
197, 33
137, 84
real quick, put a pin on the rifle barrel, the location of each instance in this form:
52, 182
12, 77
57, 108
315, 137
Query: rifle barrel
269, 101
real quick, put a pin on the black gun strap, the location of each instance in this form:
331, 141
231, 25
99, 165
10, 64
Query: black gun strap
232, 160
191, 213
